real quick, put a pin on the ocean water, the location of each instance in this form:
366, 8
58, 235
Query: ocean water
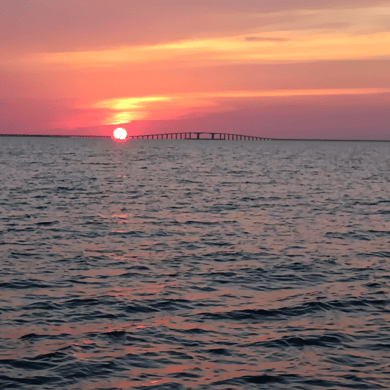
194, 264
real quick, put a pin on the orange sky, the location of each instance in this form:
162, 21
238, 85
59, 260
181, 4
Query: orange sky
291, 69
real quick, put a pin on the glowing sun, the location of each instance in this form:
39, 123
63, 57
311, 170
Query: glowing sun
120, 133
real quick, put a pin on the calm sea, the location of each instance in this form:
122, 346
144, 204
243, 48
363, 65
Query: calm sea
194, 264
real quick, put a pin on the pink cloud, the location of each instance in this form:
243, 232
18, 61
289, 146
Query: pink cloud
59, 25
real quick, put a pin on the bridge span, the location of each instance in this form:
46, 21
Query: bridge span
200, 135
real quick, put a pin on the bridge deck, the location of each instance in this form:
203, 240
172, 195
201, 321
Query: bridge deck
200, 135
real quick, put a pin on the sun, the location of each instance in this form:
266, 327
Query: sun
120, 133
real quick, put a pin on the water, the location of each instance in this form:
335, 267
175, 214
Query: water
194, 264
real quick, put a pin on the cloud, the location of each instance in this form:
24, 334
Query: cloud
174, 106
266, 39
302, 46
66, 25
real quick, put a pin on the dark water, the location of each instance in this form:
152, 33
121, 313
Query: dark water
194, 265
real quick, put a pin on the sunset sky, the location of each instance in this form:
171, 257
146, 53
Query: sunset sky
284, 69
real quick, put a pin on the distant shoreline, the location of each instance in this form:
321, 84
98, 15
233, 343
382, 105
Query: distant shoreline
194, 139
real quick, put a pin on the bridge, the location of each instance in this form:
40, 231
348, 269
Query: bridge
187, 135
200, 135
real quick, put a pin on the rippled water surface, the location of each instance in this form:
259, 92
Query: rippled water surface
194, 264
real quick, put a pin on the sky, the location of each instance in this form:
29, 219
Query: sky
279, 69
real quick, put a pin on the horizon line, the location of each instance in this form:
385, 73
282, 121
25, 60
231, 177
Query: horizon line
194, 139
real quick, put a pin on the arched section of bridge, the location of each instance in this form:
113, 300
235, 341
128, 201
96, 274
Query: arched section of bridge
194, 135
